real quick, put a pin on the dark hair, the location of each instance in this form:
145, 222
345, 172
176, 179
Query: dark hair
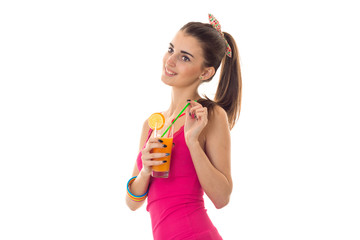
228, 93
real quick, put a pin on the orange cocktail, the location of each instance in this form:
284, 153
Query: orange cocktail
156, 122
163, 169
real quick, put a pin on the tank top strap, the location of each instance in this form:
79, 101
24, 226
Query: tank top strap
179, 117
172, 121
149, 134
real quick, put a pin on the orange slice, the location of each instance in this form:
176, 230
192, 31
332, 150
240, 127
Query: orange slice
156, 120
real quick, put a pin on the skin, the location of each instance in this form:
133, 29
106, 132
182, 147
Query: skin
208, 139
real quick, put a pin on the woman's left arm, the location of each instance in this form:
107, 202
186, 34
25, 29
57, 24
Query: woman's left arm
212, 163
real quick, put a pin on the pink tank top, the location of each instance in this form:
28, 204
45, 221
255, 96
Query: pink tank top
176, 203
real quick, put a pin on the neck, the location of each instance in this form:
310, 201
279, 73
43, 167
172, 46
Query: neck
179, 99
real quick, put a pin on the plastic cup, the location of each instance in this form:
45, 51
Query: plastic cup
162, 171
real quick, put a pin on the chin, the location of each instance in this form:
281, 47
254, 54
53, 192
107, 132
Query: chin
168, 81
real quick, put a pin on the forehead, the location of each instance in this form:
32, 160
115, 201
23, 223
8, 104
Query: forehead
185, 42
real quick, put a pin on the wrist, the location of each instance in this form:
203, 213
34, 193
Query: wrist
191, 140
193, 144
144, 173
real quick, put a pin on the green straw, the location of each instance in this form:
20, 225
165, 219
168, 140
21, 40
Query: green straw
175, 119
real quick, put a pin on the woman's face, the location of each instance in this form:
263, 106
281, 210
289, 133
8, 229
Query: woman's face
183, 62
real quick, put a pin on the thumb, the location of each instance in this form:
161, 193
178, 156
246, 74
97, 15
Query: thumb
187, 112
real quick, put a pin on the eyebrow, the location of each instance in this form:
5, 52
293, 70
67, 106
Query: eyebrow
182, 50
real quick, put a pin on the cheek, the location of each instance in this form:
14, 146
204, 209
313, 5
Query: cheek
191, 71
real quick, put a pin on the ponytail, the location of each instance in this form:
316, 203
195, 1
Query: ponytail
228, 93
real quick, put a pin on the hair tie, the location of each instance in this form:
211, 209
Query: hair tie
215, 23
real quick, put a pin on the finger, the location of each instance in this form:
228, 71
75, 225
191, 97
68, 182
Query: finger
150, 146
187, 114
193, 111
158, 155
199, 108
156, 145
203, 113
194, 103
198, 111
153, 140
194, 108
150, 163
157, 163
202, 117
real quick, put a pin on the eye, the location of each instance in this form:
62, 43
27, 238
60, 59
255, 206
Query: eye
185, 58
170, 50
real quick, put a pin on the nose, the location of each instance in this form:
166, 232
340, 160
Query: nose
171, 61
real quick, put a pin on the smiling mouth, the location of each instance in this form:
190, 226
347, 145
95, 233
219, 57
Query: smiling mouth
169, 73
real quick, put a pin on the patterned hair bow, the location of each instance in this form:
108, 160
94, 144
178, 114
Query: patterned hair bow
215, 23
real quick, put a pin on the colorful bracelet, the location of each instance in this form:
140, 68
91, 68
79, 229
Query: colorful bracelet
133, 197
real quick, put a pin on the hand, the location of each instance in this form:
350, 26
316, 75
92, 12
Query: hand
195, 122
147, 157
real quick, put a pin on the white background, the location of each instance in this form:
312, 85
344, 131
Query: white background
79, 78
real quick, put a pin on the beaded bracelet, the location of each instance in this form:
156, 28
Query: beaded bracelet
133, 197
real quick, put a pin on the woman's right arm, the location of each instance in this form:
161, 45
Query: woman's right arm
141, 183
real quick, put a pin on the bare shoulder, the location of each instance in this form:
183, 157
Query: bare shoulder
217, 119
217, 128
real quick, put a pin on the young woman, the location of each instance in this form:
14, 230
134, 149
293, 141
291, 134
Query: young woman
200, 160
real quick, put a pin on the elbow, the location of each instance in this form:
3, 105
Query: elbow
133, 206
221, 200
222, 203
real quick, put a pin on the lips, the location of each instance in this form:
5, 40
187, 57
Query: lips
169, 72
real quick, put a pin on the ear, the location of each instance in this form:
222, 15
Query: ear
207, 73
